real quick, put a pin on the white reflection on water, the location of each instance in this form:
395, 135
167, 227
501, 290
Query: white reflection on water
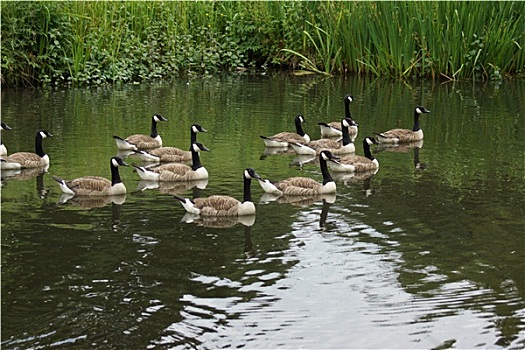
344, 292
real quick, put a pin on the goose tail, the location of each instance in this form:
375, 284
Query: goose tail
63, 185
188, 205
123, 144
146, 174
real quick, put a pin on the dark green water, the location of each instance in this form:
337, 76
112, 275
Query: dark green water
414, 257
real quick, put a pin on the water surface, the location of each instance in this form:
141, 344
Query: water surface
427, 253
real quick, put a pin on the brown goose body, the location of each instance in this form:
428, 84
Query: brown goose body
221, 205
171, 154
333, 129
177, 171
95, 185
343, 146
283, 139
395, 136
355, 163
26, 160
141, 141
304, 186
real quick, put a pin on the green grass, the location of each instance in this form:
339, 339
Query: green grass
102, 42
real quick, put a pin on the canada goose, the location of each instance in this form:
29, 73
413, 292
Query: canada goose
177, 171
336, 147
3, 149
22, 160
304, 186
140, 141
281, 139
171, 154
219, 205
96, 185
358, 163
333, 129
404, 135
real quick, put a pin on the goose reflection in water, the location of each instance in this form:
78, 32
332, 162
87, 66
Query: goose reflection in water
173, 187
297, 200
351, 179
271, 151
405, 148
27, 174
89, 202
218, 221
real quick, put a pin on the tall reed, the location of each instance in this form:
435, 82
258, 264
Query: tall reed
100, 42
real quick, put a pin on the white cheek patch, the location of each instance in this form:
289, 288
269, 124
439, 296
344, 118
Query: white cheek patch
194, 129
418, 111
350, 98
369, 141
43, 134
156, 118
115, 163
345, 123
301, 119
196, 147
247, 174
324, 156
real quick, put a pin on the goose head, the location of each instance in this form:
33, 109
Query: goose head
195, 128
117, 161
370, 141
348, 122
326, 155
4, 126
421, 110
197, 147
348, 98
249, 173
43, 134
158, 118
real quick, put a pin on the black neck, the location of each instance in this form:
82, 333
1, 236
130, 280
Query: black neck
154, 132
299, 127
38, 145
247, 190
115, 176
193, 136
416, 121
324, 170
347, 109
366, 148
346, 134
195, 159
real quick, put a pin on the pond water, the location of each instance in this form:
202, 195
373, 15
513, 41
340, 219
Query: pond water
426, 253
